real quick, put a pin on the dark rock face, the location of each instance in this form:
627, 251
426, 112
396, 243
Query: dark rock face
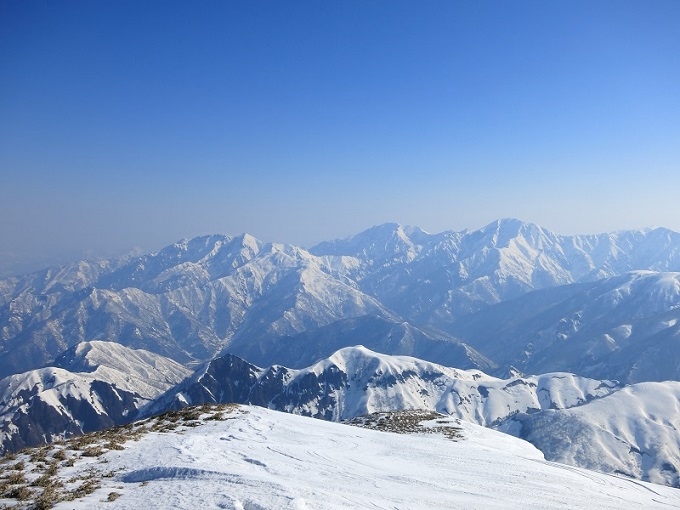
230, 379
40, 422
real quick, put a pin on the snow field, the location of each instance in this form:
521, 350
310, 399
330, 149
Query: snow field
261, 459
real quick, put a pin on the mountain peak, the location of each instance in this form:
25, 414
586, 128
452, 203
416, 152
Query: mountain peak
381, 244
97, 356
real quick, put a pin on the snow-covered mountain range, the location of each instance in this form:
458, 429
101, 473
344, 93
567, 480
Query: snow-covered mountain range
632, 430
92, 386
247, 457
100, 343
511, 294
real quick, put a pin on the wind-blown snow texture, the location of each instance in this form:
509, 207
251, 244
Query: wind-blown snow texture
261, 459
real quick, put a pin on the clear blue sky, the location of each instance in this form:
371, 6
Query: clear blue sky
136, 123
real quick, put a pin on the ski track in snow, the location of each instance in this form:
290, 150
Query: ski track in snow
269, 460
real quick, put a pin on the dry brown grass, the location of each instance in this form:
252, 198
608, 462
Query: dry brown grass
18, 481
113, 496
60, 455
407, 422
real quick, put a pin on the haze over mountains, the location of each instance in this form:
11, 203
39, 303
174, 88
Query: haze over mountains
476, 310
509, 295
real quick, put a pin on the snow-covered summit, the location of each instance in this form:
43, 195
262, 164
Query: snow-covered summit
356, 381
258, 458
98, 385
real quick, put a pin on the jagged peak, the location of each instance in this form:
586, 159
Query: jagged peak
378, 243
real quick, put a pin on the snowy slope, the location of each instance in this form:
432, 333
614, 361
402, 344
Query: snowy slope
356, 381
437, 278
625, 328
634, 431
105, 384
255, 458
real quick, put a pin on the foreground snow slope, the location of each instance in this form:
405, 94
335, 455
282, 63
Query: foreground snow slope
262, 459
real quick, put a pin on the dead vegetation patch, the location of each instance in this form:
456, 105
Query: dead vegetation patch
409, 422
39, 478
113, 496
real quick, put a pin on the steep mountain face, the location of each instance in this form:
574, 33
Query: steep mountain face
100, 384
634, 432
624, 327
187, 301
397, 289
356, 381
382, 334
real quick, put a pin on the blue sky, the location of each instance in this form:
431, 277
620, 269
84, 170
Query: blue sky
135, 123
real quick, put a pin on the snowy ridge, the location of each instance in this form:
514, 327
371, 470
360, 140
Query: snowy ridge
113, 384
356, 381
583, 422
130, 369
258, 458
634, 431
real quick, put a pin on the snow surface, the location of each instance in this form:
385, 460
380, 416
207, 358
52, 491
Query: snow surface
361, 381
262, 459
72, 389
634, 431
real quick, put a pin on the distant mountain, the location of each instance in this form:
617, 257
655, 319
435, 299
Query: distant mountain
187, 301
382, 334
96, 385
624, 327
436, 279
441, 297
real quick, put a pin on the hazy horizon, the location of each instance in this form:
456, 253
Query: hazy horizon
14, 264
128, 126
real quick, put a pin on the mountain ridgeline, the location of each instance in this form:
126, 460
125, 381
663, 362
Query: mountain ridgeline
632, 430
94, 344
510, 296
